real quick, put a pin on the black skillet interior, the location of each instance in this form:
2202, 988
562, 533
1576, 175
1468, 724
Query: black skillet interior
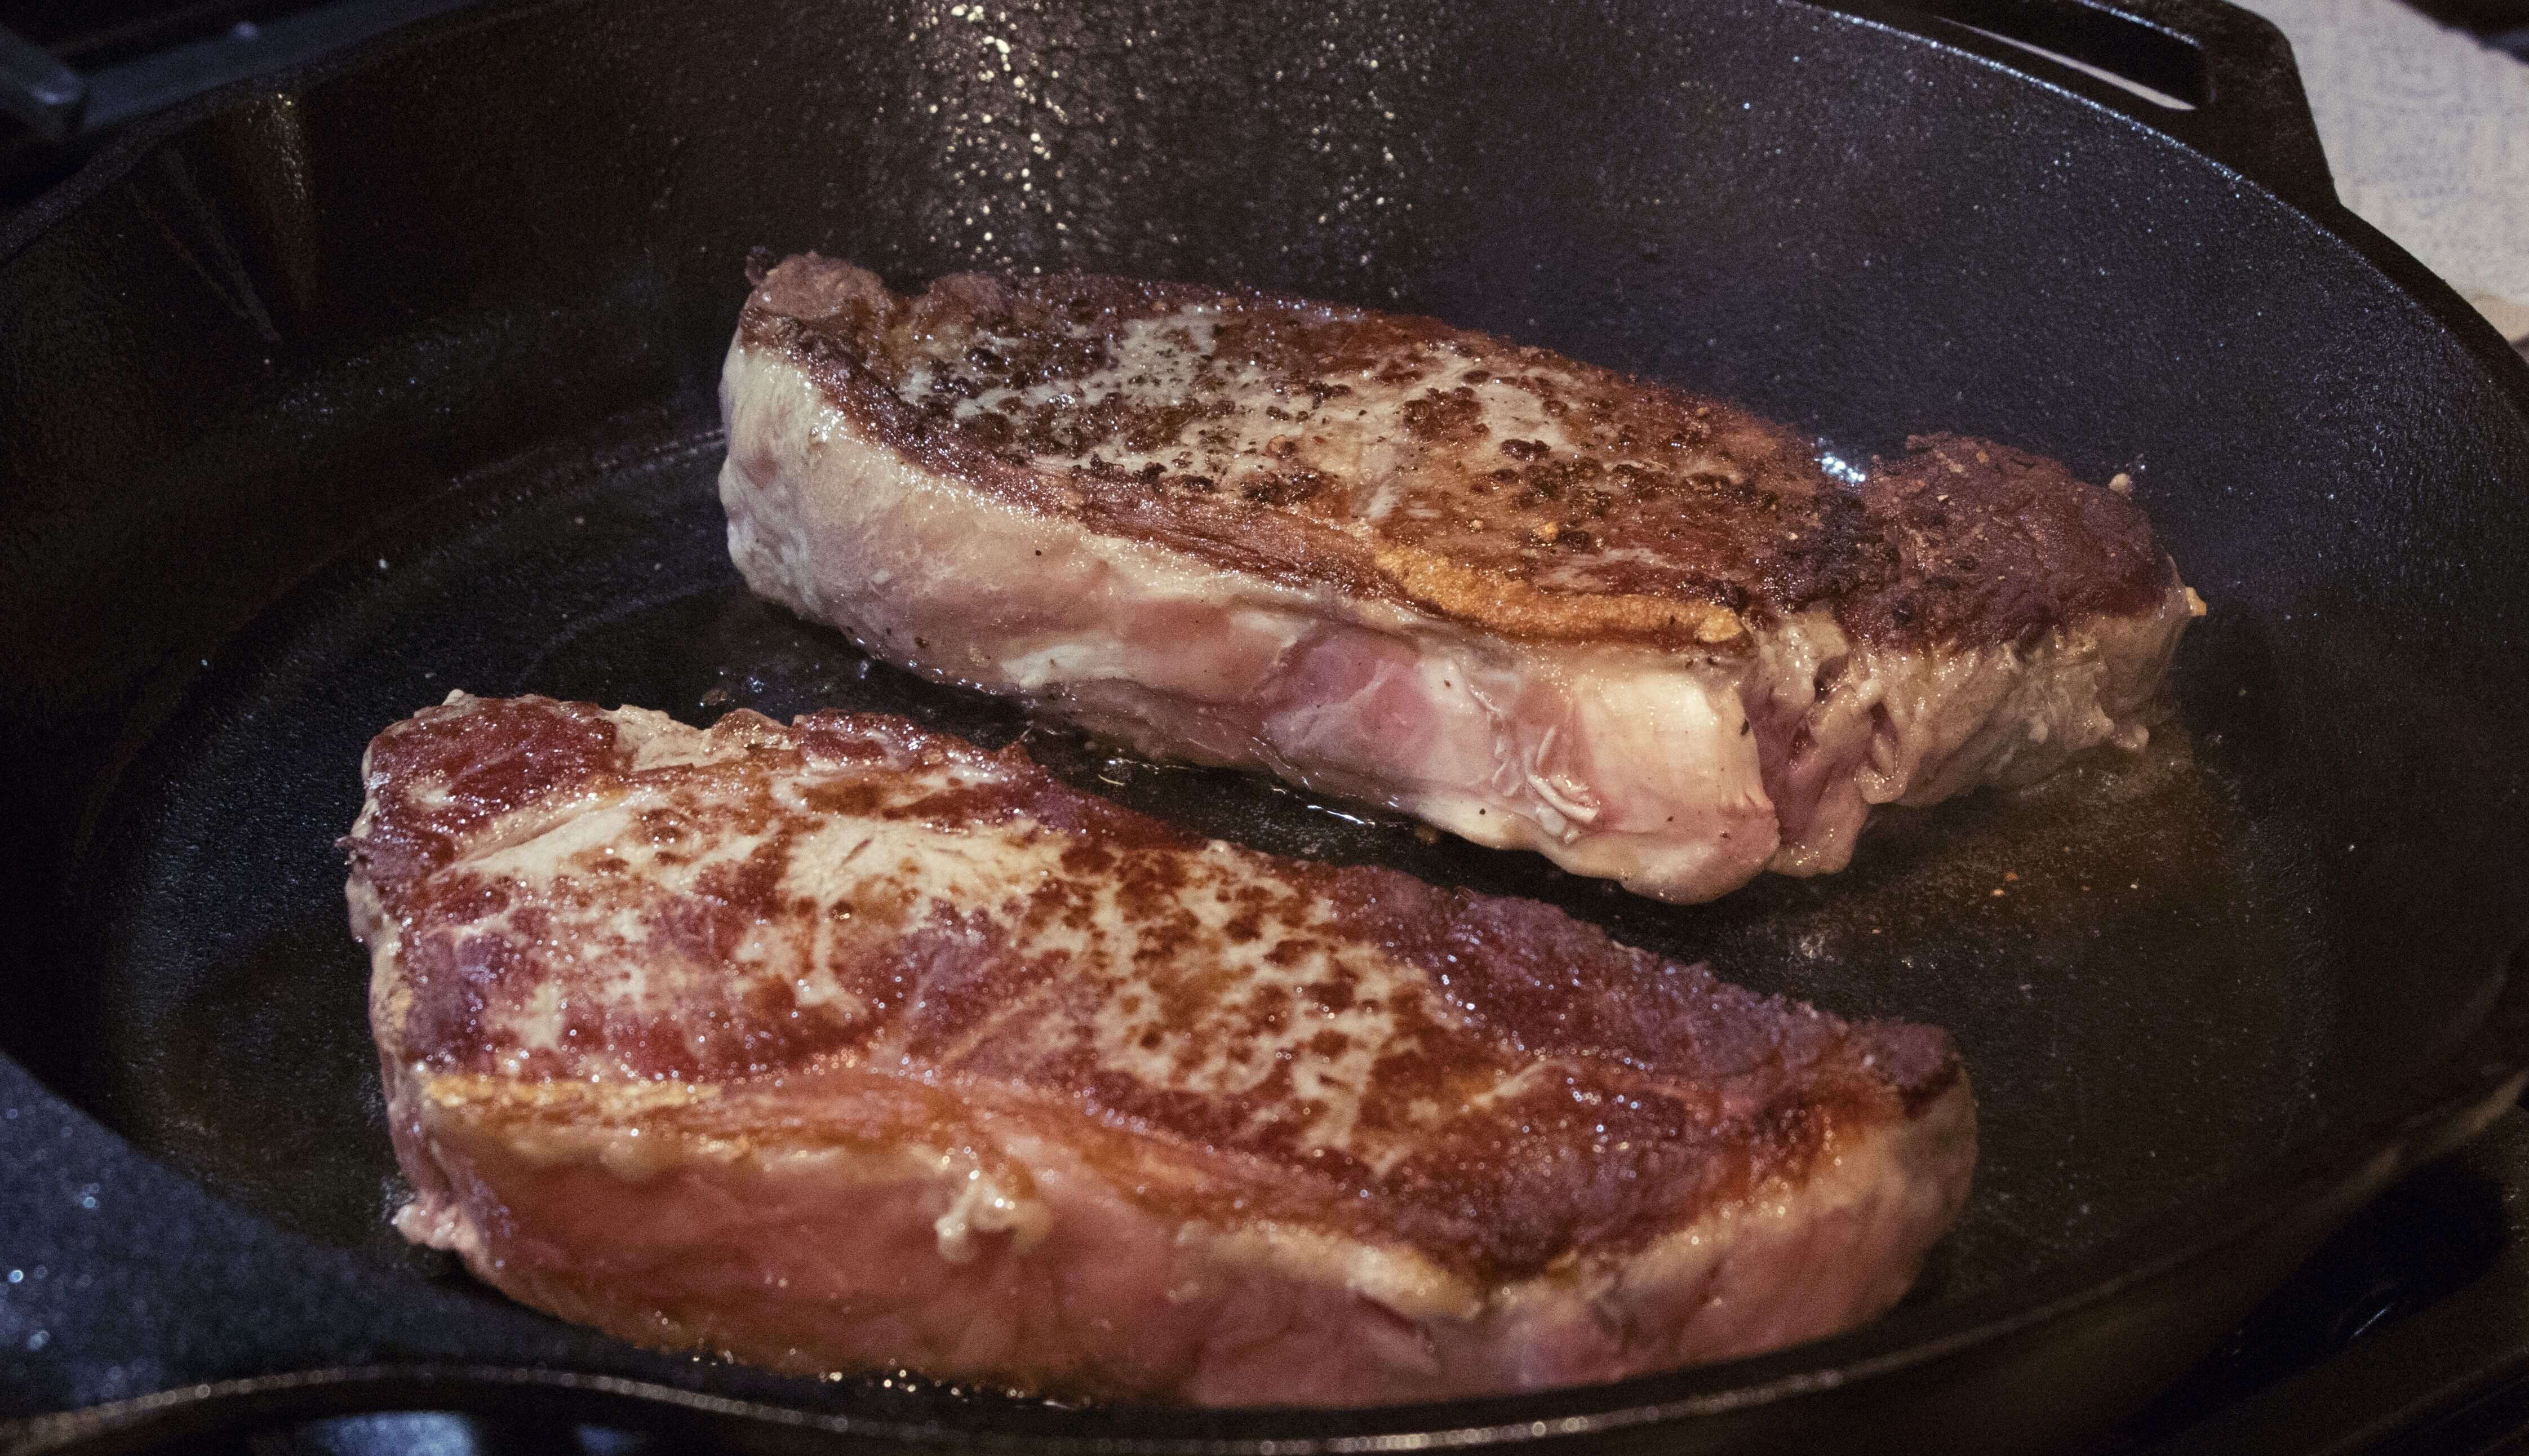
400, 381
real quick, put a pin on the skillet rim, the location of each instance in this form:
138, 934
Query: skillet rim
2338, 1161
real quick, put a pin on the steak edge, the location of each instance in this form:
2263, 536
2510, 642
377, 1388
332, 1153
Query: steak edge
848, 1045
1531, 602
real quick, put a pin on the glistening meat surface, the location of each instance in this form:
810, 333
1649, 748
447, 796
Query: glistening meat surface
1532, 602
845, 1045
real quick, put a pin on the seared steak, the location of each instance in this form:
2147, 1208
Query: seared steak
1535, 603
845, 1045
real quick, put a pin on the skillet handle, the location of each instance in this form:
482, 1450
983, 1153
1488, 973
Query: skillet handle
2232, 67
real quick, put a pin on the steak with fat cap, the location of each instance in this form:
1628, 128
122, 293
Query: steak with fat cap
847, 1046
1535, 603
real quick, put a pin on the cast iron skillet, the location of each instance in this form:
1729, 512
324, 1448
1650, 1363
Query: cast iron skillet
324, 400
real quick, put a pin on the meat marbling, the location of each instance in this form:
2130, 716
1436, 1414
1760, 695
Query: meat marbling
846, 1045
1532, 602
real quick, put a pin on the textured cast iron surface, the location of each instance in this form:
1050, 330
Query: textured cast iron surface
442, 332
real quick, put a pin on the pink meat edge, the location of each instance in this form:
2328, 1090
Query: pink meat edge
816, 1262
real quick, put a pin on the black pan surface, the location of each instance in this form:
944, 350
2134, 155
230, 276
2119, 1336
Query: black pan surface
395, 381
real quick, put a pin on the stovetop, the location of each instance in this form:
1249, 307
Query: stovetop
73, 72
2407, 1333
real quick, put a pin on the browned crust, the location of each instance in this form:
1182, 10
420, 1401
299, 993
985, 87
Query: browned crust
1666, 1092
1998, 544
1680, 521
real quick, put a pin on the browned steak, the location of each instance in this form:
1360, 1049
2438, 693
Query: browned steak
845, 1045
1535, 603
